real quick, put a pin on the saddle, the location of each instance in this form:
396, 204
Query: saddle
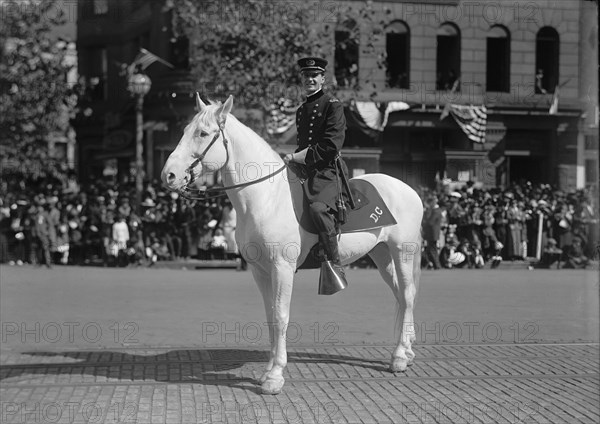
370, 212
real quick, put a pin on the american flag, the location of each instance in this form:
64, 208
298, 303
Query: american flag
471, 119
145, 59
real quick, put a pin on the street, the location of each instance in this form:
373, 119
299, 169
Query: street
160, 345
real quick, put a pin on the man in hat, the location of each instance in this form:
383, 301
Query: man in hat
321, 130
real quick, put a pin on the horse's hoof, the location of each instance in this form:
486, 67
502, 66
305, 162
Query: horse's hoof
272, 386
399, 365
263, 377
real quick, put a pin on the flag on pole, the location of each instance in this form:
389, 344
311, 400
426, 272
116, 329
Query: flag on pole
471, 119
554, 105
145, 59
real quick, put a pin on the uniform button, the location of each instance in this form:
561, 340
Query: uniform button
311, 124
316, 104
309, 131
310, 138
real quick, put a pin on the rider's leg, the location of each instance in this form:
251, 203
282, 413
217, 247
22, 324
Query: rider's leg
325, 223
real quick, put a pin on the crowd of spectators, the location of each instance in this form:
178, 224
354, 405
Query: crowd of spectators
471, 227
65, 223
98, 224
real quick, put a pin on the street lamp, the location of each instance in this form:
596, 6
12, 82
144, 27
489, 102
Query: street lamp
139, 85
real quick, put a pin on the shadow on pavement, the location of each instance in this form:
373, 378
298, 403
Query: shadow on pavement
203, 366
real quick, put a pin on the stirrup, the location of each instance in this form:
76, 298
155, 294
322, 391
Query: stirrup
332, 278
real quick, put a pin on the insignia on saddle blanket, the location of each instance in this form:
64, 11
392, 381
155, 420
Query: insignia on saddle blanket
371, 212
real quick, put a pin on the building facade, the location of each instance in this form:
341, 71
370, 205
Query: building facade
532, 65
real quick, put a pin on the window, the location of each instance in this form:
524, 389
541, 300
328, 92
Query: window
397, 44
546, 60
346, 54
448, 58
591, 171
100, 7
180, 53
142, 41
498, 59
96, 72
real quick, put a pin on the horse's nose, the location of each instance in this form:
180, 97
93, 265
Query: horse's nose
171, 178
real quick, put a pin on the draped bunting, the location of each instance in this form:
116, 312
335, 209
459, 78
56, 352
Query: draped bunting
471, 119
369, 117
375, 115
281, 116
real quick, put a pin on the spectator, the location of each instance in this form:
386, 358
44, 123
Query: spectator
573, 255
551, 255
432, 221
42, 233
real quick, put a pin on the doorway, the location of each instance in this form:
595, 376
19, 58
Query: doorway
526, 168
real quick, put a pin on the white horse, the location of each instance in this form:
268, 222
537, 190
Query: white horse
269, 232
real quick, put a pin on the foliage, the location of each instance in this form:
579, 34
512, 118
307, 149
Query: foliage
35, 99
249, 48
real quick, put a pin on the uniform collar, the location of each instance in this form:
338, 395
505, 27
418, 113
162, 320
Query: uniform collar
315, 96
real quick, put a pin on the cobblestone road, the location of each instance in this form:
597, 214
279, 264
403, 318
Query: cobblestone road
477, 383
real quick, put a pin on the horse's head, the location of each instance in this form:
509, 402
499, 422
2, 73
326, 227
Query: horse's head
202, 147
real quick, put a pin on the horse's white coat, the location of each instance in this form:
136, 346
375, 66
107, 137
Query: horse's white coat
270, 238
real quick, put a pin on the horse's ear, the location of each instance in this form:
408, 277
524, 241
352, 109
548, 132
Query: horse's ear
224, 110
199, 103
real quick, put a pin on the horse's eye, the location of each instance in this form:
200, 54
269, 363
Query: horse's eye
200, 133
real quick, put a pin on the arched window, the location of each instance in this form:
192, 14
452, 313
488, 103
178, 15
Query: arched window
448, 58
546, 60
498, 59
397, 45
346, 53
180, 52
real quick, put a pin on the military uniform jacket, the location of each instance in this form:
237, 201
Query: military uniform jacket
321, 127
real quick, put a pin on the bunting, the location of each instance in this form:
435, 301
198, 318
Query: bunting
375, 115
471, 119
281, 116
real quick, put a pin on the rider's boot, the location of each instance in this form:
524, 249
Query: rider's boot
333, 277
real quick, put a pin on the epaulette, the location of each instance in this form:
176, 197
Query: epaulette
333, 100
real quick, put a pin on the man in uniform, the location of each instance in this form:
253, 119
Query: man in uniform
321, 130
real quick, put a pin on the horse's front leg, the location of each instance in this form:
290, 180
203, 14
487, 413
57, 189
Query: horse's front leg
282, 279
263, 280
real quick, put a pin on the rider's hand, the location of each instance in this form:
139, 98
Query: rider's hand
288, 158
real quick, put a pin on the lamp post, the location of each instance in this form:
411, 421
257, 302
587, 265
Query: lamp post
138, 85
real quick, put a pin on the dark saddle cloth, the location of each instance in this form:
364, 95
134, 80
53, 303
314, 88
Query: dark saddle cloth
370, 213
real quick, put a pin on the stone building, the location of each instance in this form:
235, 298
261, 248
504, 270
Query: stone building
532, 65
509, 56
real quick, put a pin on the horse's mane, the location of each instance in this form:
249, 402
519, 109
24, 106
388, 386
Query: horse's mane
208, 117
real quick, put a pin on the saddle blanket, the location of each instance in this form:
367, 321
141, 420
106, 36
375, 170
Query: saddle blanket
371, 211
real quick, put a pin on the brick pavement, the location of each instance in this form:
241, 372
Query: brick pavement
476, 383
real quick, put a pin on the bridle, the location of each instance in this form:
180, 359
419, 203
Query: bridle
190, 170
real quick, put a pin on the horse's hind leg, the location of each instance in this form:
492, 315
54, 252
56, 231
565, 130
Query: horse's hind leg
397, 267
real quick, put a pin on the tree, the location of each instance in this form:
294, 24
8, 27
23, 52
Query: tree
249, 48
35, 98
